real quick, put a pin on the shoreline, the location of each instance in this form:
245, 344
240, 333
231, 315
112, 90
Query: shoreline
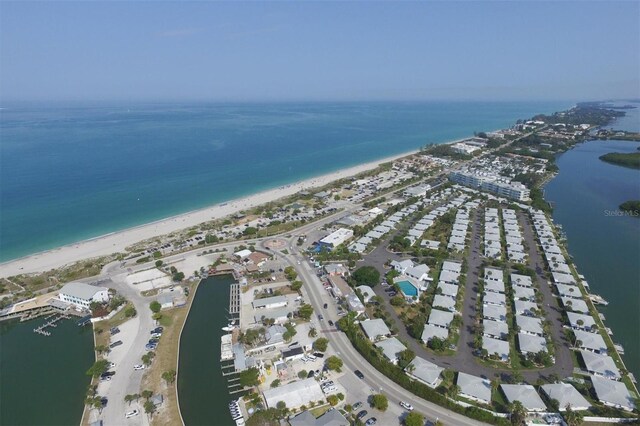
117, 241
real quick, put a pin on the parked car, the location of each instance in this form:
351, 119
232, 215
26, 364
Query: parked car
320, 317
357, 405
138, 367
114, 330
330, 323
116, 343
372, 421
359, 374
130, 414
325, 306
362, 414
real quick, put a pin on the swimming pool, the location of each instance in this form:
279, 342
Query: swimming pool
407, 288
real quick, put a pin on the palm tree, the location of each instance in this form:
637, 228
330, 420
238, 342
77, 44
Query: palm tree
573, 418
518, 413
146, 394
128, 398
453, 391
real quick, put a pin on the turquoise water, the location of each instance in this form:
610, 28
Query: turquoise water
42, 379
202, 389
604, 243
72, 172
407, 288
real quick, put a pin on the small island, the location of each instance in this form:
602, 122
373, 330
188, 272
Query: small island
631, 207
631, 160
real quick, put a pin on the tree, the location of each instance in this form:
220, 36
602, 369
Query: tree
573, 418
130, 312
453, 391
129, 398
169, 376
312, 332
518, 413
333, 400
296, 285
149, 408
366, 275
275, 383
379, 402
321, 344
436, 343
334, 363
102, 349
155, 306
249, 377
554, 404
98, 367
398, 301
290, 273
305, 311
405, 357
414, 419
302, 374
158, 263
178, 276
250, 230
146, 394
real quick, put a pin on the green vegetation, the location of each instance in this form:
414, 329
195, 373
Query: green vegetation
155, 307
169, 376
632, 207
379, 402
366, 275
305, 311
631, 160
99, 367
334, 363
321, 344
290, 273
249, 377
414, 419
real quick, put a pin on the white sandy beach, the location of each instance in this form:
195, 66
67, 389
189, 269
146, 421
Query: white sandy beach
118, 241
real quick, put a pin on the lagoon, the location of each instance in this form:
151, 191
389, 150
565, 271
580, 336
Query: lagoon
43, 378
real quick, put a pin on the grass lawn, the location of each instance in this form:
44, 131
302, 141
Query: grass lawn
318, 411
167, 359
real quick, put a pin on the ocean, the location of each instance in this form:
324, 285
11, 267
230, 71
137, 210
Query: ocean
70, 172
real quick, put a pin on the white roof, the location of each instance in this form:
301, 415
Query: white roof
613, 393
448, 289
497, 329
367, 292
529, 324
449, 276
441, 318
569, 291
475, 387
587, 320
445, 302
494, 298
294, 394
494, 346
494, 312
391, 347
525, 306
577, 305
431, 331
531, 344
566, 394
592, 341
374, 328
451, 266
523, 293
494, 286
81, 290
600, 364
526, 394
242, 253
424, 370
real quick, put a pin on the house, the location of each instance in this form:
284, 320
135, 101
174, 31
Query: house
367, 293
600, 365
494, 312
571, 291
520, 293
613, 394
495, 347
526, 394
430, 331
590, 341
242, 253
531, 344
525, 307
440, 318
565, 394
329, 418
474, 388
491, 298
258, 258
424, 371
449, 277
529, 325
495, 329
375, 329
575, 305
336, 269
166, 301
494, 286
450, 290
339, 236
280, 315
291, 354
354, 304
295, 394
448, 265
274, 334
419, 272
444, 302
270, 302
391, 348
401, 266
581, 322
82, 295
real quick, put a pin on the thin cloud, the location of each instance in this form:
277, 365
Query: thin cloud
181, 32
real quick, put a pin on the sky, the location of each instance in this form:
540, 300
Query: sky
280, 51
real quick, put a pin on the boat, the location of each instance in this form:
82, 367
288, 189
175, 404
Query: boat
230, 327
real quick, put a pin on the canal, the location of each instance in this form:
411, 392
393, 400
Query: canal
42, 379
202, 389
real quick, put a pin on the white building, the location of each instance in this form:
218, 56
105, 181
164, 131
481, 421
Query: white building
339, 236
294, 394
82, 295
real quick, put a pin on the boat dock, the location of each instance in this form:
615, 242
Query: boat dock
51, 321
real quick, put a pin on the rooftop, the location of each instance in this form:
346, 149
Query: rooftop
566, 394
391, 347
81, 290
374, 328
295, 394
612, 393
474, 387
440, 318
526, 394
425, 371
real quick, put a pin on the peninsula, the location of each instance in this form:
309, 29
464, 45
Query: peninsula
432, 285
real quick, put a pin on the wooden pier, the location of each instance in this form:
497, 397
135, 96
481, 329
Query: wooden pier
51, 321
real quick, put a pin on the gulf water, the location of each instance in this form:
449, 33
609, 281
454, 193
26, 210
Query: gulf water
73, 172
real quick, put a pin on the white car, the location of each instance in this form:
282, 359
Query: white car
406, 406
138, 367
131, 414
112, 365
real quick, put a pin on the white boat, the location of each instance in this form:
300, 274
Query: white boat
230, 327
